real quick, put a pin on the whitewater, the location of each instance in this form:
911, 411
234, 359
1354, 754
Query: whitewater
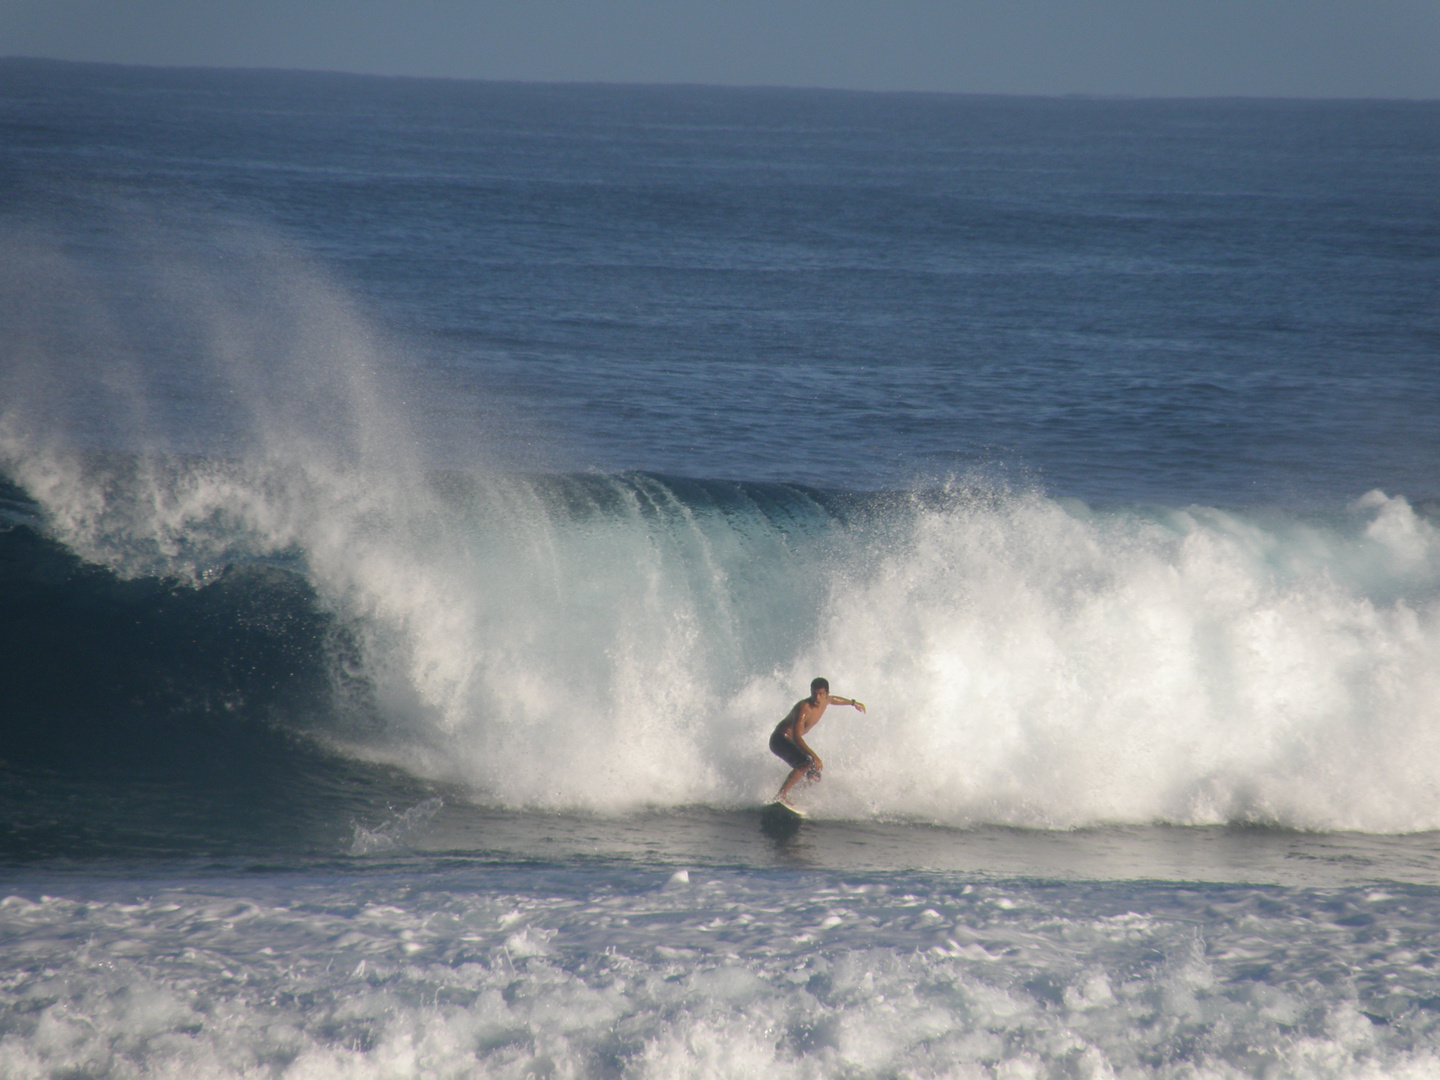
419, 501
610, 643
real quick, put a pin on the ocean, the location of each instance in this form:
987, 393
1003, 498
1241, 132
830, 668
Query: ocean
420, 499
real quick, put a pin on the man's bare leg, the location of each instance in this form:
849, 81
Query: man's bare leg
793, 779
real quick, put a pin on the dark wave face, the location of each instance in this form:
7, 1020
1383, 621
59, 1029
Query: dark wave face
141, 715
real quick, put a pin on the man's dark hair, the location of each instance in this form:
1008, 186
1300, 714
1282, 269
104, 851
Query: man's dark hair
819, 684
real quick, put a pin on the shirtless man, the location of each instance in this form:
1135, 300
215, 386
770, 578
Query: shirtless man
788, 740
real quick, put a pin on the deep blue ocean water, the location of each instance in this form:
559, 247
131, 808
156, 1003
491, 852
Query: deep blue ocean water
419, 500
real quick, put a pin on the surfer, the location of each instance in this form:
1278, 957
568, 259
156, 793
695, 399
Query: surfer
787, 742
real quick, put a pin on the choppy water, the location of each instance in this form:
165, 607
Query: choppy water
589, 971
421, 499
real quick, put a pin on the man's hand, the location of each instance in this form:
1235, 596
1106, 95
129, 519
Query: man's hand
858, 704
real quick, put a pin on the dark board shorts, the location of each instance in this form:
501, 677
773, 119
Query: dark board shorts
789, 753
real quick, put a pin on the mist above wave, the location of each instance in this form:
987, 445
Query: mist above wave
607, 642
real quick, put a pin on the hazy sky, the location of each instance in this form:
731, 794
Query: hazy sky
1326, 48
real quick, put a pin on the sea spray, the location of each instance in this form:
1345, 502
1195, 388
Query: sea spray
1047, 665
395, 830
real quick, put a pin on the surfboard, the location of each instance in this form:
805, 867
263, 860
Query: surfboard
783, 809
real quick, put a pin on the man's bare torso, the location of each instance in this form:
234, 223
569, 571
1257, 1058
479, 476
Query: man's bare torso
804, 716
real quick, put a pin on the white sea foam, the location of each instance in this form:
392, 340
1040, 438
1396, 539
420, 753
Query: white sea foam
1044, 665
613, 974
396, 830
